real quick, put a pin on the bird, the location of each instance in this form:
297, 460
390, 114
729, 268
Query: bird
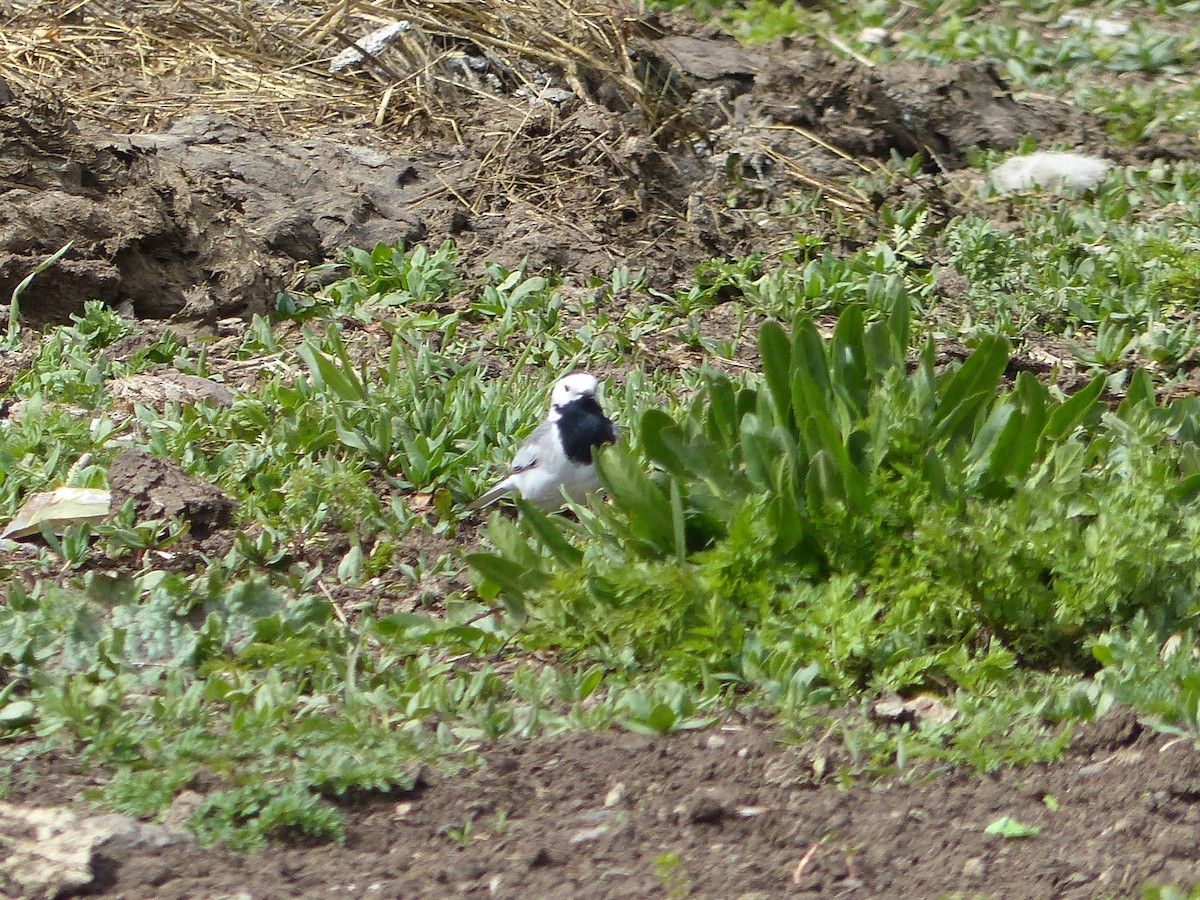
558, 454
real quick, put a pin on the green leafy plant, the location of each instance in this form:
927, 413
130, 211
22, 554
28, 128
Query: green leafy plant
894, 526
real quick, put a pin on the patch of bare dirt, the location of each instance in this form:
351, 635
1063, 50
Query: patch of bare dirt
734, 812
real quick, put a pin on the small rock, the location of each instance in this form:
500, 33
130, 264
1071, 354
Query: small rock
471, 869
595, 816
895, 709
615, 795
505, 765
167, 386
291, 233
49, 851
372, 43
716, 742
974, 868
181, 809
705, 806
588, 835
1176, 841
950, 284
401, 810
837, 820
161, 489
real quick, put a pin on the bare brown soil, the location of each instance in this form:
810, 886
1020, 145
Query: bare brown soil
734, 812
189, 216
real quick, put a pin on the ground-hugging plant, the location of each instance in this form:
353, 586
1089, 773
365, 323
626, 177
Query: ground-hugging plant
896, 523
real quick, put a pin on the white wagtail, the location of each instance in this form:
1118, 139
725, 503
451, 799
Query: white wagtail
558, 455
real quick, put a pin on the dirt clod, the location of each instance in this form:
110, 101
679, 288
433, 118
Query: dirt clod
160, 489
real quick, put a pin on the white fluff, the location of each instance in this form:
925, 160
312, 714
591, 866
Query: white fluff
1058, 172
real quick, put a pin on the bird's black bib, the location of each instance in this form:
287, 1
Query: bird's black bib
583, 426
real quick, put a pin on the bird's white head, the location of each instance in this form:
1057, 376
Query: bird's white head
570, 388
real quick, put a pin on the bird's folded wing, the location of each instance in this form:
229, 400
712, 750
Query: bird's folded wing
534, 448
526, 458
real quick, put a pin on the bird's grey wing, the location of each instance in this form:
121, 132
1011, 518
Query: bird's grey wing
535, 448
528, 455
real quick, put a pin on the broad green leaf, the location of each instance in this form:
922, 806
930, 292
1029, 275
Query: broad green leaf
775, 351
353, 439
976, 381
511, 541
1071, 412
680, 523
759, 451
1017, 447
811, 390
723, 417
513, 579
822, 436
589, 682
881, 354
655, 425
526, 288
823, 485
548, 533
933, 467
328, 374
898, 323
849, 362
632, 490
788, 522
662, 718
1140, 390
924, 378
1186, 490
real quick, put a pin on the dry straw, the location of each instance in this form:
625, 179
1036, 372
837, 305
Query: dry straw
466, 68
138, 64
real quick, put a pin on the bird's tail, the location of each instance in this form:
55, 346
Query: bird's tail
490, 496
